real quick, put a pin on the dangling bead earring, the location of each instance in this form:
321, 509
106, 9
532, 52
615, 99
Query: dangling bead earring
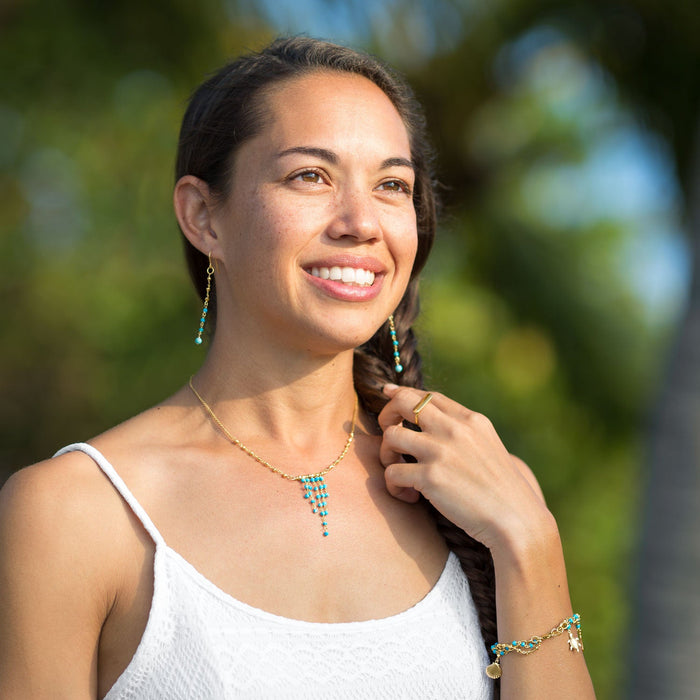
397, 358
205, 309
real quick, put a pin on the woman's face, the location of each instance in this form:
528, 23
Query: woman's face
318, 234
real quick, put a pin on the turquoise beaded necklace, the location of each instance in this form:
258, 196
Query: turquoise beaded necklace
314, 488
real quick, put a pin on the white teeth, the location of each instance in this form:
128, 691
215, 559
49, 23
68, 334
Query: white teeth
346, 275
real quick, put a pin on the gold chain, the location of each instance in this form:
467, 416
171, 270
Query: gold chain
235, 441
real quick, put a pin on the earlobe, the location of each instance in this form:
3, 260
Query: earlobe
193, 204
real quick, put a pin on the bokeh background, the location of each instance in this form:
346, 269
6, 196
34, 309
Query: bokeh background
559, 301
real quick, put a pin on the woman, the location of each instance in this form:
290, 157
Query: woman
277, 529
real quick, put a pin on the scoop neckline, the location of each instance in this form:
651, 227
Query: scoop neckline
261, 614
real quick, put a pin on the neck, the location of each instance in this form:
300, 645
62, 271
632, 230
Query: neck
278, 393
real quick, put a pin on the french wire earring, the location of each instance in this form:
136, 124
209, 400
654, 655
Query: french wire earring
205, 308
397, 357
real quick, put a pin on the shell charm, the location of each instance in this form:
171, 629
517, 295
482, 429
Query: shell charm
494, 670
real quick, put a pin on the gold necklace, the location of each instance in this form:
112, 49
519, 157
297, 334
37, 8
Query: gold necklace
314, 486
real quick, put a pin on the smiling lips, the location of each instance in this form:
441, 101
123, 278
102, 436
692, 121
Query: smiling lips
354, 276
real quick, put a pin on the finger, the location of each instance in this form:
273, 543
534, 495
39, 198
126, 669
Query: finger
401, 404
398, 441
390, 389
400, 481
406, 494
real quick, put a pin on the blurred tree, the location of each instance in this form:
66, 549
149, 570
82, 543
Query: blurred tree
90, 101
655, 55
667, 610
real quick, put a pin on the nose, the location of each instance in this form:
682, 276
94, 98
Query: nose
355, 217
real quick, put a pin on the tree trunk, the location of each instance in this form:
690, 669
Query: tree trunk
666, 619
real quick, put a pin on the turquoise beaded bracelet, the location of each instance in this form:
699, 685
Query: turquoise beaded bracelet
572, 625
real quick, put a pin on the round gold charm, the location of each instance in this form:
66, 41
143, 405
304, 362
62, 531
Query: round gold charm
493, 670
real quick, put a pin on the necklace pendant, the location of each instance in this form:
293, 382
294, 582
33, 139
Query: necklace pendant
316, 493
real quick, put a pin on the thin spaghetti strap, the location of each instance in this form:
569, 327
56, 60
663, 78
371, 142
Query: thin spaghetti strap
119, 485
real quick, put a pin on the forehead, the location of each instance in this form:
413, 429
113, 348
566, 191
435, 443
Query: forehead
342, 108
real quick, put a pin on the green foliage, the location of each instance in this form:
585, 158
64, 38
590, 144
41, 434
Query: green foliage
100, 310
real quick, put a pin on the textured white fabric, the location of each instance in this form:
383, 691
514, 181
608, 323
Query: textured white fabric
202, 644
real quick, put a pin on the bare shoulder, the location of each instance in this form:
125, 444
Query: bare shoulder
60, 518
528, 474
66, 505
75, 562
59, 573
49, 499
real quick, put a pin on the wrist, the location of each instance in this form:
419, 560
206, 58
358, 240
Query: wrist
524, 546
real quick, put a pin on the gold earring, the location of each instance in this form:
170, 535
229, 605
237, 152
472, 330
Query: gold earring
205, 309
397, 357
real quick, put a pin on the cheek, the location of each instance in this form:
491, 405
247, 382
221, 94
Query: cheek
408, 242
279, 216
414, 245
273, 239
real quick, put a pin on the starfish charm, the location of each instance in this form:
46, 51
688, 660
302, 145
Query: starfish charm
575, 643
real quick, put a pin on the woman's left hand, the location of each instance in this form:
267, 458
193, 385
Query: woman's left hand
461, 467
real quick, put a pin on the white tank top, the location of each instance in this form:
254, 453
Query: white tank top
202, 644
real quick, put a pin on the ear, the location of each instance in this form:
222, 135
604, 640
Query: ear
194, 205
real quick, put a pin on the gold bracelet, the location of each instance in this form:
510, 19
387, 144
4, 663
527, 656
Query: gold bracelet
572, 625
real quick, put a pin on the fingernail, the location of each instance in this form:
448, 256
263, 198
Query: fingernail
388, 388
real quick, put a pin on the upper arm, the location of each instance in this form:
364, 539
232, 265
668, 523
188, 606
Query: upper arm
53, 600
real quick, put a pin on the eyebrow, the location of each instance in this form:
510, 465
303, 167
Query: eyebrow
331, 157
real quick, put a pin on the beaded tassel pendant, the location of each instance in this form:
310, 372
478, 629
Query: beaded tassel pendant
316, 492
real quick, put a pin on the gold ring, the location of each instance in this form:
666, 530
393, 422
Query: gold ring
421, 405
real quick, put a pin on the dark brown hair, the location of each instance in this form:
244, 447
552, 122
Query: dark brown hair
228, 109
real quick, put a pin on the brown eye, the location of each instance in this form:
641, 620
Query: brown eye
395, 186
310, 176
